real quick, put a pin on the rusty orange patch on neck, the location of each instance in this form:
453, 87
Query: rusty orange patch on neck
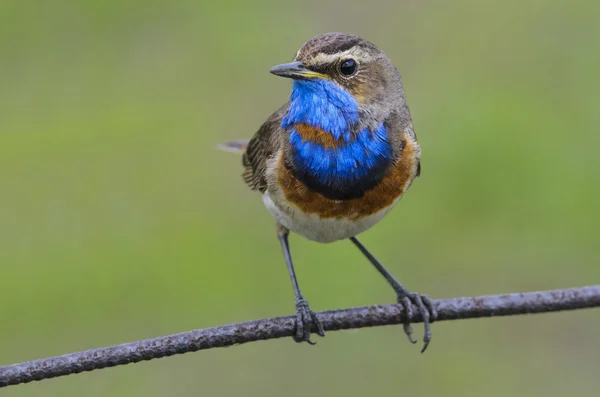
317, 135
392, 186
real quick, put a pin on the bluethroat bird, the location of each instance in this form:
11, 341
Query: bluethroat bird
337, 157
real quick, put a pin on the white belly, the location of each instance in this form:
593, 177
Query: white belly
315, 228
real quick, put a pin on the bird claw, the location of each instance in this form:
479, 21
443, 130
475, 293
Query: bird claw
305, 320
426, 309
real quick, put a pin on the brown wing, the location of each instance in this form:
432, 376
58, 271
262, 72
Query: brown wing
263, 145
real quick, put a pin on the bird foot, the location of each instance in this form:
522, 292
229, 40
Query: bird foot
426, 309
305, 320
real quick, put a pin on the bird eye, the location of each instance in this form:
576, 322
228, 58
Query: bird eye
348, 67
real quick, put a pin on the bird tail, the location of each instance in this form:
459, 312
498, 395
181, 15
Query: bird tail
238, 146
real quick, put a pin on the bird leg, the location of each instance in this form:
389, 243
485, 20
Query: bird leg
405, 298
306, 319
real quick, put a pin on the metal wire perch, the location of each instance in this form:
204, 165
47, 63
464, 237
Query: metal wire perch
279, 327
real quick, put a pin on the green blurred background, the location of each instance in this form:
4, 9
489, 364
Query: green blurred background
120, 221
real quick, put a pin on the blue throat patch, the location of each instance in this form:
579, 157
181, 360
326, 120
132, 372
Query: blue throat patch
323, 104
345, 171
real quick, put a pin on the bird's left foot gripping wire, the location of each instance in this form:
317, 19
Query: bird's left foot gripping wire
426, 309
405, 298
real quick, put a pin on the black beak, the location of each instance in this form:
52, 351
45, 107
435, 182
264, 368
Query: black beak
294, 70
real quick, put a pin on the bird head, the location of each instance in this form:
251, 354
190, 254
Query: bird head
342, 84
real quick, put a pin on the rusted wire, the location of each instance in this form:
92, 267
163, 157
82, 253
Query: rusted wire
279, 327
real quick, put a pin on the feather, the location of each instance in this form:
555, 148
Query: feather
264, 144
238, 146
